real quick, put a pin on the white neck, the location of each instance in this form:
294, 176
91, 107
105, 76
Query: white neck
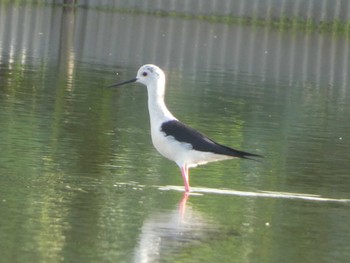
157, 109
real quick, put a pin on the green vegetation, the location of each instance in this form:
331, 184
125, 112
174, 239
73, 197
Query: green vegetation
282, 22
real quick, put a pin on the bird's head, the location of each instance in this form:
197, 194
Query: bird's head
149, 75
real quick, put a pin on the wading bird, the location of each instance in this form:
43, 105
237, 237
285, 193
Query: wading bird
173, 139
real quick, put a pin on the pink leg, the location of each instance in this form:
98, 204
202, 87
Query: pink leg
184, 172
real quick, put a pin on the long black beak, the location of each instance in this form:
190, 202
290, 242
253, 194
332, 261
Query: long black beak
122, 83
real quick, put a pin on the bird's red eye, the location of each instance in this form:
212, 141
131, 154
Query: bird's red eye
144, 74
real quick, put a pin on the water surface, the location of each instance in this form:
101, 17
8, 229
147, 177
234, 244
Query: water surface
80, 180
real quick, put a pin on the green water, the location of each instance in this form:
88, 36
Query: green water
81, 182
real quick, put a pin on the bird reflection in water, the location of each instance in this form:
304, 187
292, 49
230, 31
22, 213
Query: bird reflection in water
164, 234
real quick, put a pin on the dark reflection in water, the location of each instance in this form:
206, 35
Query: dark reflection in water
79, 178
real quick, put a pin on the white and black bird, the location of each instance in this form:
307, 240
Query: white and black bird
173, 139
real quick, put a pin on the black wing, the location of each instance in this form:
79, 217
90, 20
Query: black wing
200, 142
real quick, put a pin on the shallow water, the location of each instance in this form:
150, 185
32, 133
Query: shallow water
80, 180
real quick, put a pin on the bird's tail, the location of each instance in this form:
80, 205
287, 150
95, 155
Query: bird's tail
249, 156
241, 154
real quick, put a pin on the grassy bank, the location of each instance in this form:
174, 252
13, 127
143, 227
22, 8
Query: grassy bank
282, 22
